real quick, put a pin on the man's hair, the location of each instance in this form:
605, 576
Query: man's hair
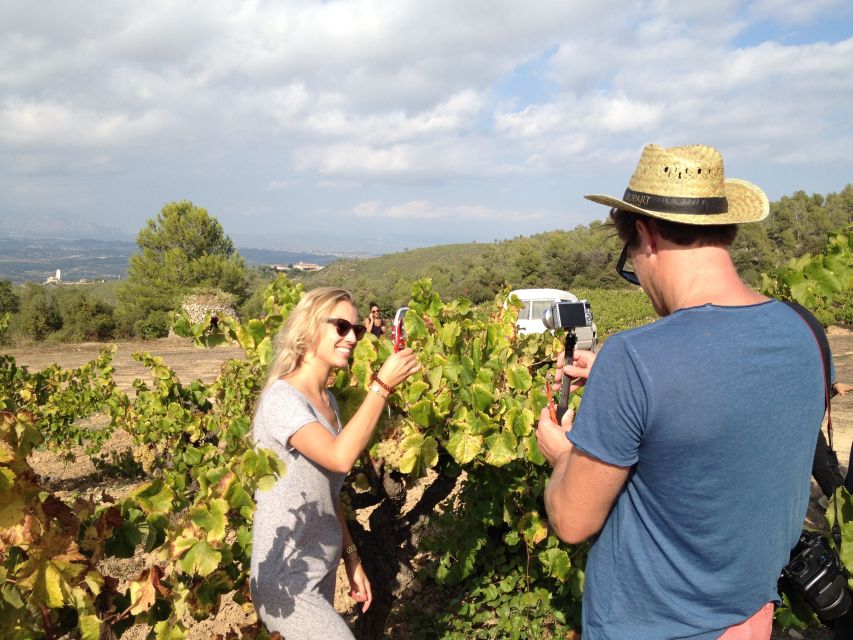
685, 235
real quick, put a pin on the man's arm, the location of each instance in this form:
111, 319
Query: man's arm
581, 493
582, 489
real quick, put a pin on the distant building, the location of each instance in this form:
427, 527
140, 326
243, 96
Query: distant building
299, 266
57, 279
307, 266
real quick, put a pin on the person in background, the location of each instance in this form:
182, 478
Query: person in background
300, 534
827, 477
690, 455
374, 322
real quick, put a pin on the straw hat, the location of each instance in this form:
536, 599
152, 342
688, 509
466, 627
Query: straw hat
688, 185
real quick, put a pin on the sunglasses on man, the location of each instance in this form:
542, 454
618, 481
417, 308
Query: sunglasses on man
627, 274
345, 326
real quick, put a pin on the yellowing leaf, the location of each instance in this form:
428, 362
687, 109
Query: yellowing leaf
501, 448
167, 630
142, 594
419, 453
464, 447
533, 528
201, 560
95, 582
90, 627
155, 497
211, 518
12, 505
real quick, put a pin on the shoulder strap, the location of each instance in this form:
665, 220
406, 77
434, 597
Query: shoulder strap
822, 342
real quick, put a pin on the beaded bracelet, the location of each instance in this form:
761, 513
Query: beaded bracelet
350, 550
388, 388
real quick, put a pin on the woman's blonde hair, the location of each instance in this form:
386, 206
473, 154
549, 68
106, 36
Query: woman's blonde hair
298, 335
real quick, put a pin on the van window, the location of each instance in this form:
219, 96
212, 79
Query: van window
524, 313
539, 307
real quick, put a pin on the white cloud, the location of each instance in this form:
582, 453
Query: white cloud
796, 12
425, 210
408, 101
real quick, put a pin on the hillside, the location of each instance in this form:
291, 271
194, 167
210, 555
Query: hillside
582, 257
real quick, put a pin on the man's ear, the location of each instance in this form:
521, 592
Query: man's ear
647, 232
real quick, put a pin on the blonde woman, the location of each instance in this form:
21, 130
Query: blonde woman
300, 534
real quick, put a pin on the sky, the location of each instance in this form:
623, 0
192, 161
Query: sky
372, 126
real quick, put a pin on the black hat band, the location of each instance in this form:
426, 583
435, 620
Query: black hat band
666, 204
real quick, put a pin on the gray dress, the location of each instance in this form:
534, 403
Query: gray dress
296, 537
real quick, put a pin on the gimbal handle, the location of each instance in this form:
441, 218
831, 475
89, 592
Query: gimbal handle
568, 357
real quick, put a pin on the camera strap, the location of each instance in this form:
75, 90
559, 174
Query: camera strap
823, 345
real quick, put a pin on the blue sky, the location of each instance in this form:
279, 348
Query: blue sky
370, 126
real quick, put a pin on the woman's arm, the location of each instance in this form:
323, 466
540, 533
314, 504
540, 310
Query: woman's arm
340, 453
359, 584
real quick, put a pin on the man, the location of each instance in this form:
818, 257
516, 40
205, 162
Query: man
691, 453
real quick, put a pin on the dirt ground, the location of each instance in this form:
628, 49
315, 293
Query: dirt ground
190, 362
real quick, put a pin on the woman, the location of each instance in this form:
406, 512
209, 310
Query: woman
374, 323
300, 533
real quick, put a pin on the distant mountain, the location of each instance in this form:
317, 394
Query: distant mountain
24, 258
65, 226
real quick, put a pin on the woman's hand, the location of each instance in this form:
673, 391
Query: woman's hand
399, 367
358, 582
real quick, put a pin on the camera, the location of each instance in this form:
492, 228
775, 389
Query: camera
564, 315
816, 575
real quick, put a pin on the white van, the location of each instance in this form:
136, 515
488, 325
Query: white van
536, 301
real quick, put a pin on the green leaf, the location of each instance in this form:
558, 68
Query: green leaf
192, 456
420, 412
264, 351
449, 333
519, 378
415, 390
556, 562
257, 330
531, 450
823, 279
415, 326
11, 595
435, 375
483, 396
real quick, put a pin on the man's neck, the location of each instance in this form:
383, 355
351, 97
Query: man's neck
705, 275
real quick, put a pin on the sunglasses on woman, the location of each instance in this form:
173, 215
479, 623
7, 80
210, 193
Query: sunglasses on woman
345, 326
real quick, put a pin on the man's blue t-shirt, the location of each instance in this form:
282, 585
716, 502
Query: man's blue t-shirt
716, 409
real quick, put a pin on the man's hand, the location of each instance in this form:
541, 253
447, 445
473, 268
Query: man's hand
551, 437
841, 388
578, 370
